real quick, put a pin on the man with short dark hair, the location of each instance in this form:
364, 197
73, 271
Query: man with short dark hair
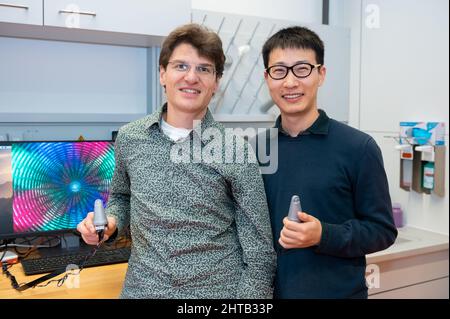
337, 171
200, 228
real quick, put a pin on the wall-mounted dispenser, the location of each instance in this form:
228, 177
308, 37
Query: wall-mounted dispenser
406, 165
422, 157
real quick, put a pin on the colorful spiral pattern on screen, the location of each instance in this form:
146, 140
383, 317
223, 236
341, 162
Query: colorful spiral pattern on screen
55, 184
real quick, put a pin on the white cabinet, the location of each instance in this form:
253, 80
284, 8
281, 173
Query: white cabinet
415, 266
21, 11
423, 274
435, 289
118, 22
131, 16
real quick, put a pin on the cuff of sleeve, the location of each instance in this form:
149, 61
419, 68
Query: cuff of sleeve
113, 236
119, 223
332, 240
325, 238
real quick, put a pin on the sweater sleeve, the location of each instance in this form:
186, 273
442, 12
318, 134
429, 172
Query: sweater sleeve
373, 227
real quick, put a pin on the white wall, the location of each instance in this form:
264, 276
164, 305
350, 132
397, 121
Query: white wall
307, 11
399, 72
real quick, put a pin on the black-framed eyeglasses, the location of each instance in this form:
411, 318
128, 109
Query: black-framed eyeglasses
300, 70
201, 69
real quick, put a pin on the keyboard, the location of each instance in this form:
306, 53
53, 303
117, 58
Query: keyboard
32, 266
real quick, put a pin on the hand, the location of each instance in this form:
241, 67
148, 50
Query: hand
87, 229
300, 235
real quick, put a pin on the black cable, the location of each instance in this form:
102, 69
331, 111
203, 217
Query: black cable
29, 249
24, 254
34, 246
5, 269
126, 238
61, 281
36, 282
6, 272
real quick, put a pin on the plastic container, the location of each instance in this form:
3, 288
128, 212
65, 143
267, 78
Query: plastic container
428, 175
397, 212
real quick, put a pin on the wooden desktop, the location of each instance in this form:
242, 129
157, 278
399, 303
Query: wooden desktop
102, 282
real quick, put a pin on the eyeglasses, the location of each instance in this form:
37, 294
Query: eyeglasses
300, 70
203, 70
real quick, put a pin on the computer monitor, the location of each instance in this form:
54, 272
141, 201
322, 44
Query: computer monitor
49, 187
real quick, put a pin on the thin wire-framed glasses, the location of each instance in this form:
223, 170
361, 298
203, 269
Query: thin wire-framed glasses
300, 70
203, 70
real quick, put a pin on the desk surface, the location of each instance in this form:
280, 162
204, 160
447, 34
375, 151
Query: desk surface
411, 242
94, 283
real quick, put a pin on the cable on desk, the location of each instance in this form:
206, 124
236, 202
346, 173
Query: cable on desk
6, 272
36, 282
61, 281
121, 241
32, 247
5, 268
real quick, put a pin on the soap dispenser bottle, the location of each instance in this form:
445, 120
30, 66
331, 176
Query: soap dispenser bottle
428, 176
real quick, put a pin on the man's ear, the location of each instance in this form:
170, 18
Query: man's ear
266, 75
322, 75
162, 76
216, 86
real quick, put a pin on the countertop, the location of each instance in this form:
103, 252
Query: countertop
410, 242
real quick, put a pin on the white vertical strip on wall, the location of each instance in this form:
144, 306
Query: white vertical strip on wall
348, 14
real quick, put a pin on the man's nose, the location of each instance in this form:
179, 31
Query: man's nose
191, 75
290, 80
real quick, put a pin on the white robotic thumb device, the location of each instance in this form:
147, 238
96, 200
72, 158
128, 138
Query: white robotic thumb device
100, 221
294, 208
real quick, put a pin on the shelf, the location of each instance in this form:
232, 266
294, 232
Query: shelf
40, 118
17, 30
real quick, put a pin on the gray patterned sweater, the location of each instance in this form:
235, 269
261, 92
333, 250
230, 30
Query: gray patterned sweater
199, 229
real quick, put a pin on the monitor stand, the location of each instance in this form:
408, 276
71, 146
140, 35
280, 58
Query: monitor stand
70, 241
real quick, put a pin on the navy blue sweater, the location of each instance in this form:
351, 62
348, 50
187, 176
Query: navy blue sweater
338, 173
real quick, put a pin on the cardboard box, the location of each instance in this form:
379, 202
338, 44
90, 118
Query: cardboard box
421, 133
